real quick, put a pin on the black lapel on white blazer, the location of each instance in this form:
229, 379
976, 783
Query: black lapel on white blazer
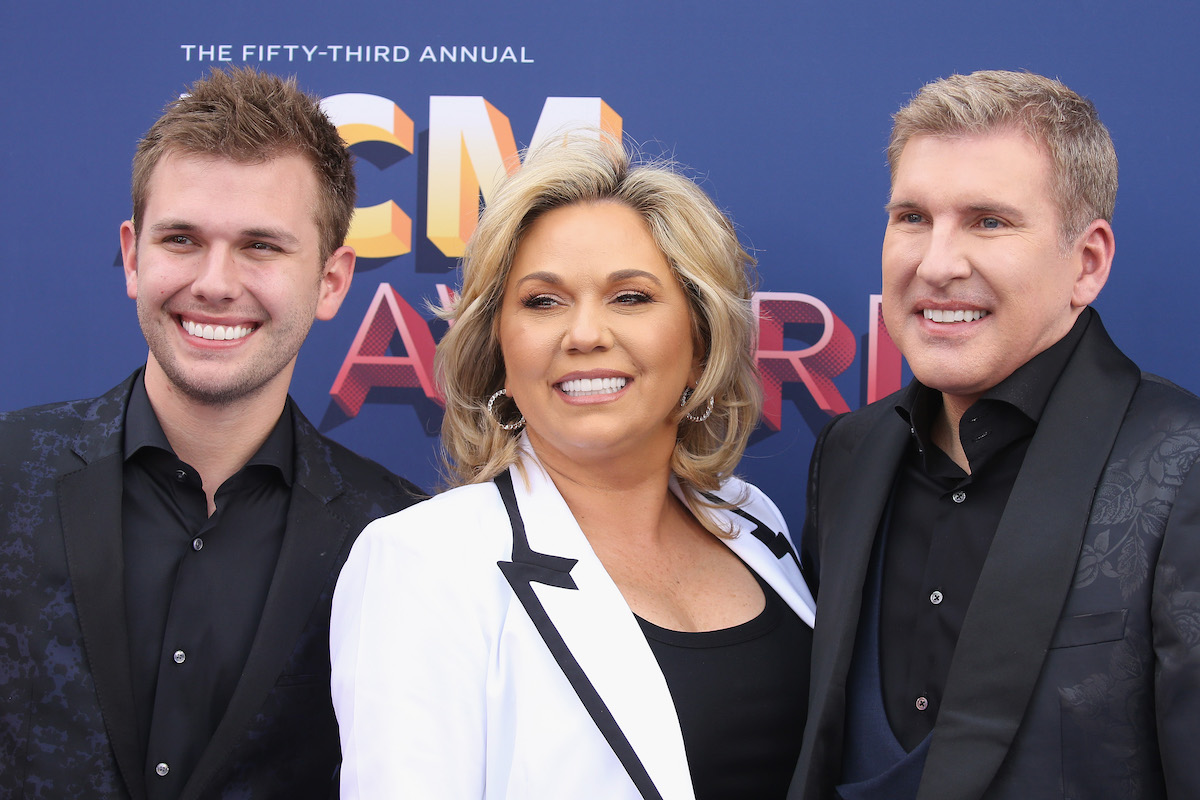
1028, 572
528, 567
775, 541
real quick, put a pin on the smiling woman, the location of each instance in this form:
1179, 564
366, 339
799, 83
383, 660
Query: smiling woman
598, 608
567, 317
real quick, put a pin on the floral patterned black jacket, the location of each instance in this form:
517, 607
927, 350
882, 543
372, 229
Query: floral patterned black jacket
67, 722
1077, 671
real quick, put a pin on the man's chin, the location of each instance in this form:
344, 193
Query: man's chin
215, 391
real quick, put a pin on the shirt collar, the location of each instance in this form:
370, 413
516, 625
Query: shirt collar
142, 429
1027, 389
141, 425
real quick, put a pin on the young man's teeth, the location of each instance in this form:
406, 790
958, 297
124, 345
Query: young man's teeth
216, 332
946, 315
582, 387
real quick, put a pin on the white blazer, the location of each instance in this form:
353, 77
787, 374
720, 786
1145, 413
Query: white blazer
470, 661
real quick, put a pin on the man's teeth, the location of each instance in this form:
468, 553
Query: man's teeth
582, 387
946, 315
216, 332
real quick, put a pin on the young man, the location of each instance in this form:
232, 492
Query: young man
169, 549
1008, 549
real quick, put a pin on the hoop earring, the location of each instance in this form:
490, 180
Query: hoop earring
508, 426
687, 394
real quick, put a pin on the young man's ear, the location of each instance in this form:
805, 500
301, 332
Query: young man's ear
129, 258
335, 282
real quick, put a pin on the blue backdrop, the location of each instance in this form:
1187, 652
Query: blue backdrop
782, 109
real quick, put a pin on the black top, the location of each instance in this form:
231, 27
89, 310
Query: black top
941, 526
741, 695
195, 585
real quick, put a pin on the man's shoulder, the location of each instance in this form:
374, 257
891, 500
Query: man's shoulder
1157, 393
1161, 421
64, 413
357, 467
848, 429
52, 428
365, 482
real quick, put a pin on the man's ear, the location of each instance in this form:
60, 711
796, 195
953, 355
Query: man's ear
1095, 249
129, 258
335, 282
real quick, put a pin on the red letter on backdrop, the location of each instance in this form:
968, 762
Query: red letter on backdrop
368, 364
883, 357
814, 366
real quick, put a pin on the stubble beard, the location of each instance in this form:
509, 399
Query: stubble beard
243, 383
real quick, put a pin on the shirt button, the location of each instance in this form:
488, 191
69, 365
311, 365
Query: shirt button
180, 475
161, 769
197, 543
179, 656
958, 496
935, 597
922, 703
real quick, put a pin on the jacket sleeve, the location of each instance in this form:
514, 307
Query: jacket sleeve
409, 666
1175, 616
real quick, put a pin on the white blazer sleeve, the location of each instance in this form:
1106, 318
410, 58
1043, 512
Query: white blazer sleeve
412, 719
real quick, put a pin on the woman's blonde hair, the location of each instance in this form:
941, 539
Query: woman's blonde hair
702, 248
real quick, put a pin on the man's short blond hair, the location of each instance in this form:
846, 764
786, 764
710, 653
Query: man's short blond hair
1083, 161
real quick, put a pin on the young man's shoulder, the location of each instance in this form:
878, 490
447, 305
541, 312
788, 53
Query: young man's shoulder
368, 480
43, 431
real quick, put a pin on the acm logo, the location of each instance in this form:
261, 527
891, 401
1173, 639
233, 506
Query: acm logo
470, 148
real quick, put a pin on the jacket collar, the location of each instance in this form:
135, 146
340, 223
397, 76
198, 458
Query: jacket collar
90, 511
314, 539
90, 506
1036, 546
850, 514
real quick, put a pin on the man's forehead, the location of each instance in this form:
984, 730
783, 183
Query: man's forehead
176, 161
1009, 153
185, 158
1004, 133
179, 194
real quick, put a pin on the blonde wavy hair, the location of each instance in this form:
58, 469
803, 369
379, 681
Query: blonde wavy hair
702, 248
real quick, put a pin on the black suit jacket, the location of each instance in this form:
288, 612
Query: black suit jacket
1077, 672
67, 717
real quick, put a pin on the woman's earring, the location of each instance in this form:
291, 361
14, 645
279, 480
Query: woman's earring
516, 424
687, 394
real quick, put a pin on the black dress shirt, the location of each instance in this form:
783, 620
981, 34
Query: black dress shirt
941, 525
195, 585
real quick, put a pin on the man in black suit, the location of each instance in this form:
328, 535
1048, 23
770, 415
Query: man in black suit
1007, 551
169, 550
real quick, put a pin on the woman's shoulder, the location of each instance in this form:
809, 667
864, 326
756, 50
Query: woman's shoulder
442, 550
465, 516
